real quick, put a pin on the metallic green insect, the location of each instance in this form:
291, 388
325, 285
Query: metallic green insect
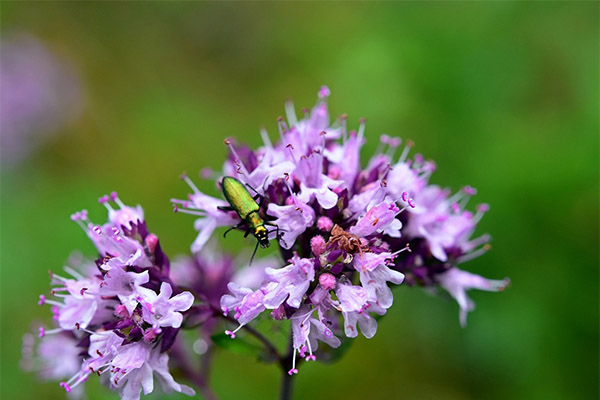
246, 207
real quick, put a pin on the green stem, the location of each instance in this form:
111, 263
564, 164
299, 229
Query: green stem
287, 380
259, 336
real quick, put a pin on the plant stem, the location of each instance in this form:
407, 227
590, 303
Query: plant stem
285, 362
286, 386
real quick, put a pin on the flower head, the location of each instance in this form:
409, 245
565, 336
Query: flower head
121, 309
346, 230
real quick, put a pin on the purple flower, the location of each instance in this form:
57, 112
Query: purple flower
292, 219
307, 331
352, 298
122, 310
125, 285
367, 324
346, 230
379, 218
313, 183
457, 282
41, 94
289, 283
55, 357
440, 220
164, 310
342, 227
207, 208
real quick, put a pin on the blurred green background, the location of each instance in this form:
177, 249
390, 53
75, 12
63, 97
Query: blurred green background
504, 96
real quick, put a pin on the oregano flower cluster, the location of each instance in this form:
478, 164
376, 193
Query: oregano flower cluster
349, 232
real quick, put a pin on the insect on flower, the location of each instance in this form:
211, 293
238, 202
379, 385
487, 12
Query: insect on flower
246, 207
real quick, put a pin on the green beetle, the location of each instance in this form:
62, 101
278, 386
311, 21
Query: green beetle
246, 207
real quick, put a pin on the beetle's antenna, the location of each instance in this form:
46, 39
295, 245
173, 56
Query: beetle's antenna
253, 254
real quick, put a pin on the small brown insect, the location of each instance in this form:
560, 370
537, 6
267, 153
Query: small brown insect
346, 241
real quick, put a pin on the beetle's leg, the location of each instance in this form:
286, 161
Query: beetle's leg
277, 228
278, 234
233, 227
225, 208
259, 198
253, 253
254, 190
247, 232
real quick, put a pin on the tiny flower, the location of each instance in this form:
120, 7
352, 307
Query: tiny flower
207, 208
379, 218
162, 309
289, 283
125, 285
457, 282
352, 298
292, 219
314, 184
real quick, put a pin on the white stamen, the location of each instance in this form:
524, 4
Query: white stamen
190, 184
405, 152
73, 273
265, 137
191, 212
290, 112
473, 254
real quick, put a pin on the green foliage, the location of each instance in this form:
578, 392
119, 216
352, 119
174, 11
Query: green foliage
239, 345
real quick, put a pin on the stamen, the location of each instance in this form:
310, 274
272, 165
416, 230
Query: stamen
238, 160
383, 141
54, 303
479, 241
323, 134
469, 191
481, 210
115, 197
65, 386
73, 273
232, 333
393, 142
187, 211
265, 137
418, 160
187, 180
406, 150
361, 129
405, 248
290, 112
456, 197
408, 200
344, 123
43, 332
291, 150
474, 254
324, 92
293, 370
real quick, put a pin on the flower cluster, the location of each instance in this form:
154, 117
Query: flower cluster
347, 230
115, 316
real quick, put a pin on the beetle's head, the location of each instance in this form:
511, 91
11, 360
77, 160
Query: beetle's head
262, 235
